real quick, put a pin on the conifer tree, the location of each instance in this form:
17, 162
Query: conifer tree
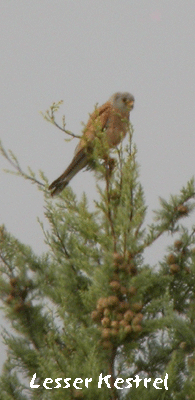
90, 318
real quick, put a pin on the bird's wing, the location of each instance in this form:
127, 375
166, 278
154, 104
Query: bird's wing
97, 121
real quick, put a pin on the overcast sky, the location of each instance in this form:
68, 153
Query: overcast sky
83, 52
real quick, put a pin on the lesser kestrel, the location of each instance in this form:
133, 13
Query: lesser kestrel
111, 119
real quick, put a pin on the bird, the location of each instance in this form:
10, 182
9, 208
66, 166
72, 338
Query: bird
111, 120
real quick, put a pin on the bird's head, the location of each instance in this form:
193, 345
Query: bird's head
122, 101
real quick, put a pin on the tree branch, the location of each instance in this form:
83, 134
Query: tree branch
49, 116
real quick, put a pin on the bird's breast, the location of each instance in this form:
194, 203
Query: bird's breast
116, 129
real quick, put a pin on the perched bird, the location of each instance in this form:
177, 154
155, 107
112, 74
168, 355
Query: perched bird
111, 119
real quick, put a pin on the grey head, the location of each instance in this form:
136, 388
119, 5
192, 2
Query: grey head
124, 101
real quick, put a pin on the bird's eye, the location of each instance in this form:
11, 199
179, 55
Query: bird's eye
124, 99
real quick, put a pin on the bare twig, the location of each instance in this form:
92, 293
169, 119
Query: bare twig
12, 159
49, 115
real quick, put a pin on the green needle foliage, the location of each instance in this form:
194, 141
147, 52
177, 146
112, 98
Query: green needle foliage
92, 307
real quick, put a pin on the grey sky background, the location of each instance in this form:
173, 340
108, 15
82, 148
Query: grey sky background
83, 52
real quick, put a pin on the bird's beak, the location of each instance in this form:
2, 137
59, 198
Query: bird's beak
130, 104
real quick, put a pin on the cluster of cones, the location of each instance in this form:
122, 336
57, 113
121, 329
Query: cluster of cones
176, 260
18, 294
119, 315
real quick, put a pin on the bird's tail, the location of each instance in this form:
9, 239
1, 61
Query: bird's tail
79, 161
